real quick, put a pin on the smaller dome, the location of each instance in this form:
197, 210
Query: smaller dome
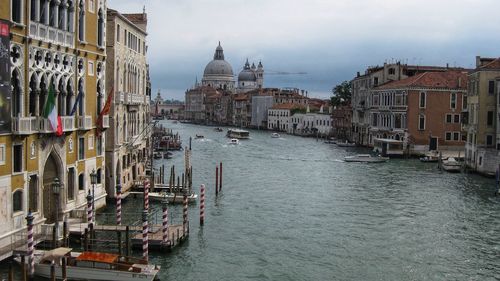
247, 74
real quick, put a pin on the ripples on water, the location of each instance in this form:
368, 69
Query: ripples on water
291, 209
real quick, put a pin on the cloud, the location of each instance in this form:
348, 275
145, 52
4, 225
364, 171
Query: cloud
330, 40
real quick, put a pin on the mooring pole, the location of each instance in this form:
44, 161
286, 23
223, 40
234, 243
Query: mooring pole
65, 233
118, 204
31, 252
23, 267
216, 180
202, 204
146, 194
165, 221
63, 270
185, 213
127, 240
145, 246
220, 174
52, 271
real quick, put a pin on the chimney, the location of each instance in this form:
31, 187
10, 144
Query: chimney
447, 65
357, 74
478, 61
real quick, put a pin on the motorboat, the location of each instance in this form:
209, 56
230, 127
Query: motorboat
346, 144
157, 155
238, 134
367, 158
218, 129
451, 165
93, 266
172, 197
429, 159
167, 155
275, 135
199, 136
234, 142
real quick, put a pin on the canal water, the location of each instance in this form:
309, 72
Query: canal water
291, 209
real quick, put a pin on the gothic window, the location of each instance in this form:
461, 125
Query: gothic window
48, 60
16, 94
57, 61
99, 97
71, 183
15, 55
99, 176
81, 93
33, 193
81, 21
70, 17
17, 11
61, 98
42, 95
422, 100
33, 10
41, 10
33, 96
53, 14
61, 17
81, 67
38, 58
100, 29
69, 99
65, 63
17, 200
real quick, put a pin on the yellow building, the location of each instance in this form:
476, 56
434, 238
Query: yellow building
59, 43
482, 117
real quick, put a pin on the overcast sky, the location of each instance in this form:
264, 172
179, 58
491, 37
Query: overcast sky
329, 39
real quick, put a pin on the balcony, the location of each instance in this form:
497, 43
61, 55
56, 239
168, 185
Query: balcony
50, 34
24, 125
105, 121
44, 124
68, 123
84, 122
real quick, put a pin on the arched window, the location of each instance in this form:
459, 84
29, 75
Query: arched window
81, 181
71, 16
17, 11
81, 21
69, 98
71, 183
33, 96
43, 94
17, 200
99, 176
33, 10
81, 93
16, 94
99, 97
61, 98
42, 8
100, 29
53, 14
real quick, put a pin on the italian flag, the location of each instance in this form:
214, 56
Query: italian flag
50, 112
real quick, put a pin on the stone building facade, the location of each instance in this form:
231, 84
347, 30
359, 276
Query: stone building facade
128, 144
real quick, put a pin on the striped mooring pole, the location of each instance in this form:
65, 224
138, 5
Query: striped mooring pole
202, 204
31, 252
89, 210
216, 180
118, 204
220, 175
145, 245
146, 194
185, 213
165, 221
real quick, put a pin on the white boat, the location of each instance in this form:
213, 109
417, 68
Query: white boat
275, 135
234, 142
346, 144
172, 197
429, 159
93, 266
452, 165
238, 134
367, 158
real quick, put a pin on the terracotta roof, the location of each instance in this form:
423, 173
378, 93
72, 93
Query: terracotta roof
241, 97
495, 64
443, 80
136, 17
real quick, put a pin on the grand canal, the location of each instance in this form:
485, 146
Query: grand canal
291, 209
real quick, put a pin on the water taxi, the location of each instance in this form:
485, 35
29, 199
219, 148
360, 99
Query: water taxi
366, 158
346, 144
172, 197
93, 266
275, 135
234, 142
238, 134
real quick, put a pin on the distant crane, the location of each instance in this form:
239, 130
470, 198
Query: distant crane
274, 72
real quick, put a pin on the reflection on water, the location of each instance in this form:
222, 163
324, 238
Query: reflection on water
291, 209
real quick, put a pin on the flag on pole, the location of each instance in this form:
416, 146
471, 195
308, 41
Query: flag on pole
104, 111
50, 112
75, 106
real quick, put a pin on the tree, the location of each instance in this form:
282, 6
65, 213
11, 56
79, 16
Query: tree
341, 94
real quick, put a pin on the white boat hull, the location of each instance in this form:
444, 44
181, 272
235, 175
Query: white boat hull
171, 197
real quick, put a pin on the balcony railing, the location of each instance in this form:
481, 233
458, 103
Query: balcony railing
44, 124
68, 123
85, 122
50, 34
24, 125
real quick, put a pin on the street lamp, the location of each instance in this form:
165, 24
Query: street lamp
93, 181
56, 189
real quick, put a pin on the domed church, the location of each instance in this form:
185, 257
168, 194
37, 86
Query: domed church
218, 73
250, 77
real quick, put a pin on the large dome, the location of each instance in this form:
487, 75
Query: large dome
218, 67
